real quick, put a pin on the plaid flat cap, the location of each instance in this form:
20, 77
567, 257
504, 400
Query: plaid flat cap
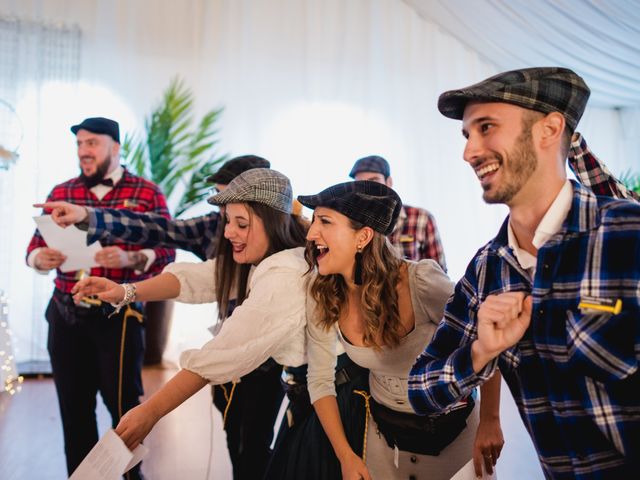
261, 185
372, 163
369, 203
544, 89
234, 167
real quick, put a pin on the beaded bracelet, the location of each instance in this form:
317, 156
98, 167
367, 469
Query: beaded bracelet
129, 296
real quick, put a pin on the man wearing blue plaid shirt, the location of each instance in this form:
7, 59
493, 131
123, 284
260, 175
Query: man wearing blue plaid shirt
553, 299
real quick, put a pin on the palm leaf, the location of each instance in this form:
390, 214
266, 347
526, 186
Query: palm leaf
174, 153
631, 180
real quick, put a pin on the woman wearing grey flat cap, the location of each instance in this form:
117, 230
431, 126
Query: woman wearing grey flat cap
269, 319
383, 311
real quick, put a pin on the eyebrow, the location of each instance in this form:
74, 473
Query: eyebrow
478, 120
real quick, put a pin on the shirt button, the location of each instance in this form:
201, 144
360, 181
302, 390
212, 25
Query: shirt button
540, 311
400, 402
414, 459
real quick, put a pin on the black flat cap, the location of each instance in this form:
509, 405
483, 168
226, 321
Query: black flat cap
544, 89
234, 167
369, 203
100, 125
372, 163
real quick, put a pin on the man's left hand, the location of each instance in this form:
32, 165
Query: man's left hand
112, 257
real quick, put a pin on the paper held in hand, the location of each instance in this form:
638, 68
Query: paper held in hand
468, 473
71, 241
109, 459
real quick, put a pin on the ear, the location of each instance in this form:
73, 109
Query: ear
389, 182
364, 236
552, 128
115, 149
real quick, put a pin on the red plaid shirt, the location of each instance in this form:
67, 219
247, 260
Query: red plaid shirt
131, 192
416, 236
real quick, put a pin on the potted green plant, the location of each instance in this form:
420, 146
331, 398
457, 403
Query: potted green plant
631, 180
178, 154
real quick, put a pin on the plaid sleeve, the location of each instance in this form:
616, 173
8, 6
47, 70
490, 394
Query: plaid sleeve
594, 174
164, 256
432, 246
197, 235
443, 374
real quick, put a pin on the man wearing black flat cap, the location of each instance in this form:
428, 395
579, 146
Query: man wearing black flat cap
91, 350
415, 234
553, 299
257, 398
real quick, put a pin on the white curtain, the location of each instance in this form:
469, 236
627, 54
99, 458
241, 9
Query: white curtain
311, 85
35, 56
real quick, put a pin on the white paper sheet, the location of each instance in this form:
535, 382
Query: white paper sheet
468, 473
109, 459
71, 241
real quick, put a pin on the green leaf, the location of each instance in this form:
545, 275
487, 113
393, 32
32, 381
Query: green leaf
174, 151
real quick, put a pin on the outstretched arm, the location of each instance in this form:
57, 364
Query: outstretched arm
136, 424
149, 229
161, 287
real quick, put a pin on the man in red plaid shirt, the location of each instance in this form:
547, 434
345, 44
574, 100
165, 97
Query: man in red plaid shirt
91, 350
415, 234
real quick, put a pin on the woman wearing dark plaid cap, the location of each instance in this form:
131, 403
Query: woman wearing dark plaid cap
382, 310
269, 319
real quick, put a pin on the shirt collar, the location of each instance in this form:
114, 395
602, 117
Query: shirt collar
582, 216
116, 174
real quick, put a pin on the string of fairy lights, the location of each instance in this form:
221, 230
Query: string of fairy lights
12, 382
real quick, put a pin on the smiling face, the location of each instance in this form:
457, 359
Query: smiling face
335, 242
99, 154
500, 149
246, 233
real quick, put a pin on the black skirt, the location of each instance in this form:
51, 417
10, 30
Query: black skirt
302, 449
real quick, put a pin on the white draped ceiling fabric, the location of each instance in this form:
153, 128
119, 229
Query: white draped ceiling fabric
314, 84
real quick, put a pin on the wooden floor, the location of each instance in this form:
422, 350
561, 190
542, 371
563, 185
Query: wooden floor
182, 444
188, 444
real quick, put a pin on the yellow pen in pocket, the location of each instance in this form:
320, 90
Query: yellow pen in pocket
600, 304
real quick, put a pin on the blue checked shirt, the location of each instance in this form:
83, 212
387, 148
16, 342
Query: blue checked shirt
574, 374
198, 235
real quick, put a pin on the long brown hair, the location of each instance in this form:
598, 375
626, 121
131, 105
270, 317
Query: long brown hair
283, 231
379, 297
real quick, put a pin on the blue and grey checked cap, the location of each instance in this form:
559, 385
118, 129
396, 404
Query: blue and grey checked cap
261, 185
369, 203
372, 163
544, 89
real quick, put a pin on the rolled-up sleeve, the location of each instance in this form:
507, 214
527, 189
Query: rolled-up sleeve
322, 355
197, 281
269, 323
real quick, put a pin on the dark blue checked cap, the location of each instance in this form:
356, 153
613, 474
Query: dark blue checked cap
101, 125
369, 203
372, 163
544, 89
261, 185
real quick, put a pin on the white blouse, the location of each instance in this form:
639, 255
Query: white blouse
269, 323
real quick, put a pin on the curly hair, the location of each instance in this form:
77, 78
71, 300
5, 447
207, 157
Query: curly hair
378, 299
283, 230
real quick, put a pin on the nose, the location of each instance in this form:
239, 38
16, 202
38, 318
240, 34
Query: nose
472, 149
312, 233
229, 231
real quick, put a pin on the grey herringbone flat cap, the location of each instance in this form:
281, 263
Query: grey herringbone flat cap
260, 185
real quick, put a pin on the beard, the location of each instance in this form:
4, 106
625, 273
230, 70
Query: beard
92, 180
520, 165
